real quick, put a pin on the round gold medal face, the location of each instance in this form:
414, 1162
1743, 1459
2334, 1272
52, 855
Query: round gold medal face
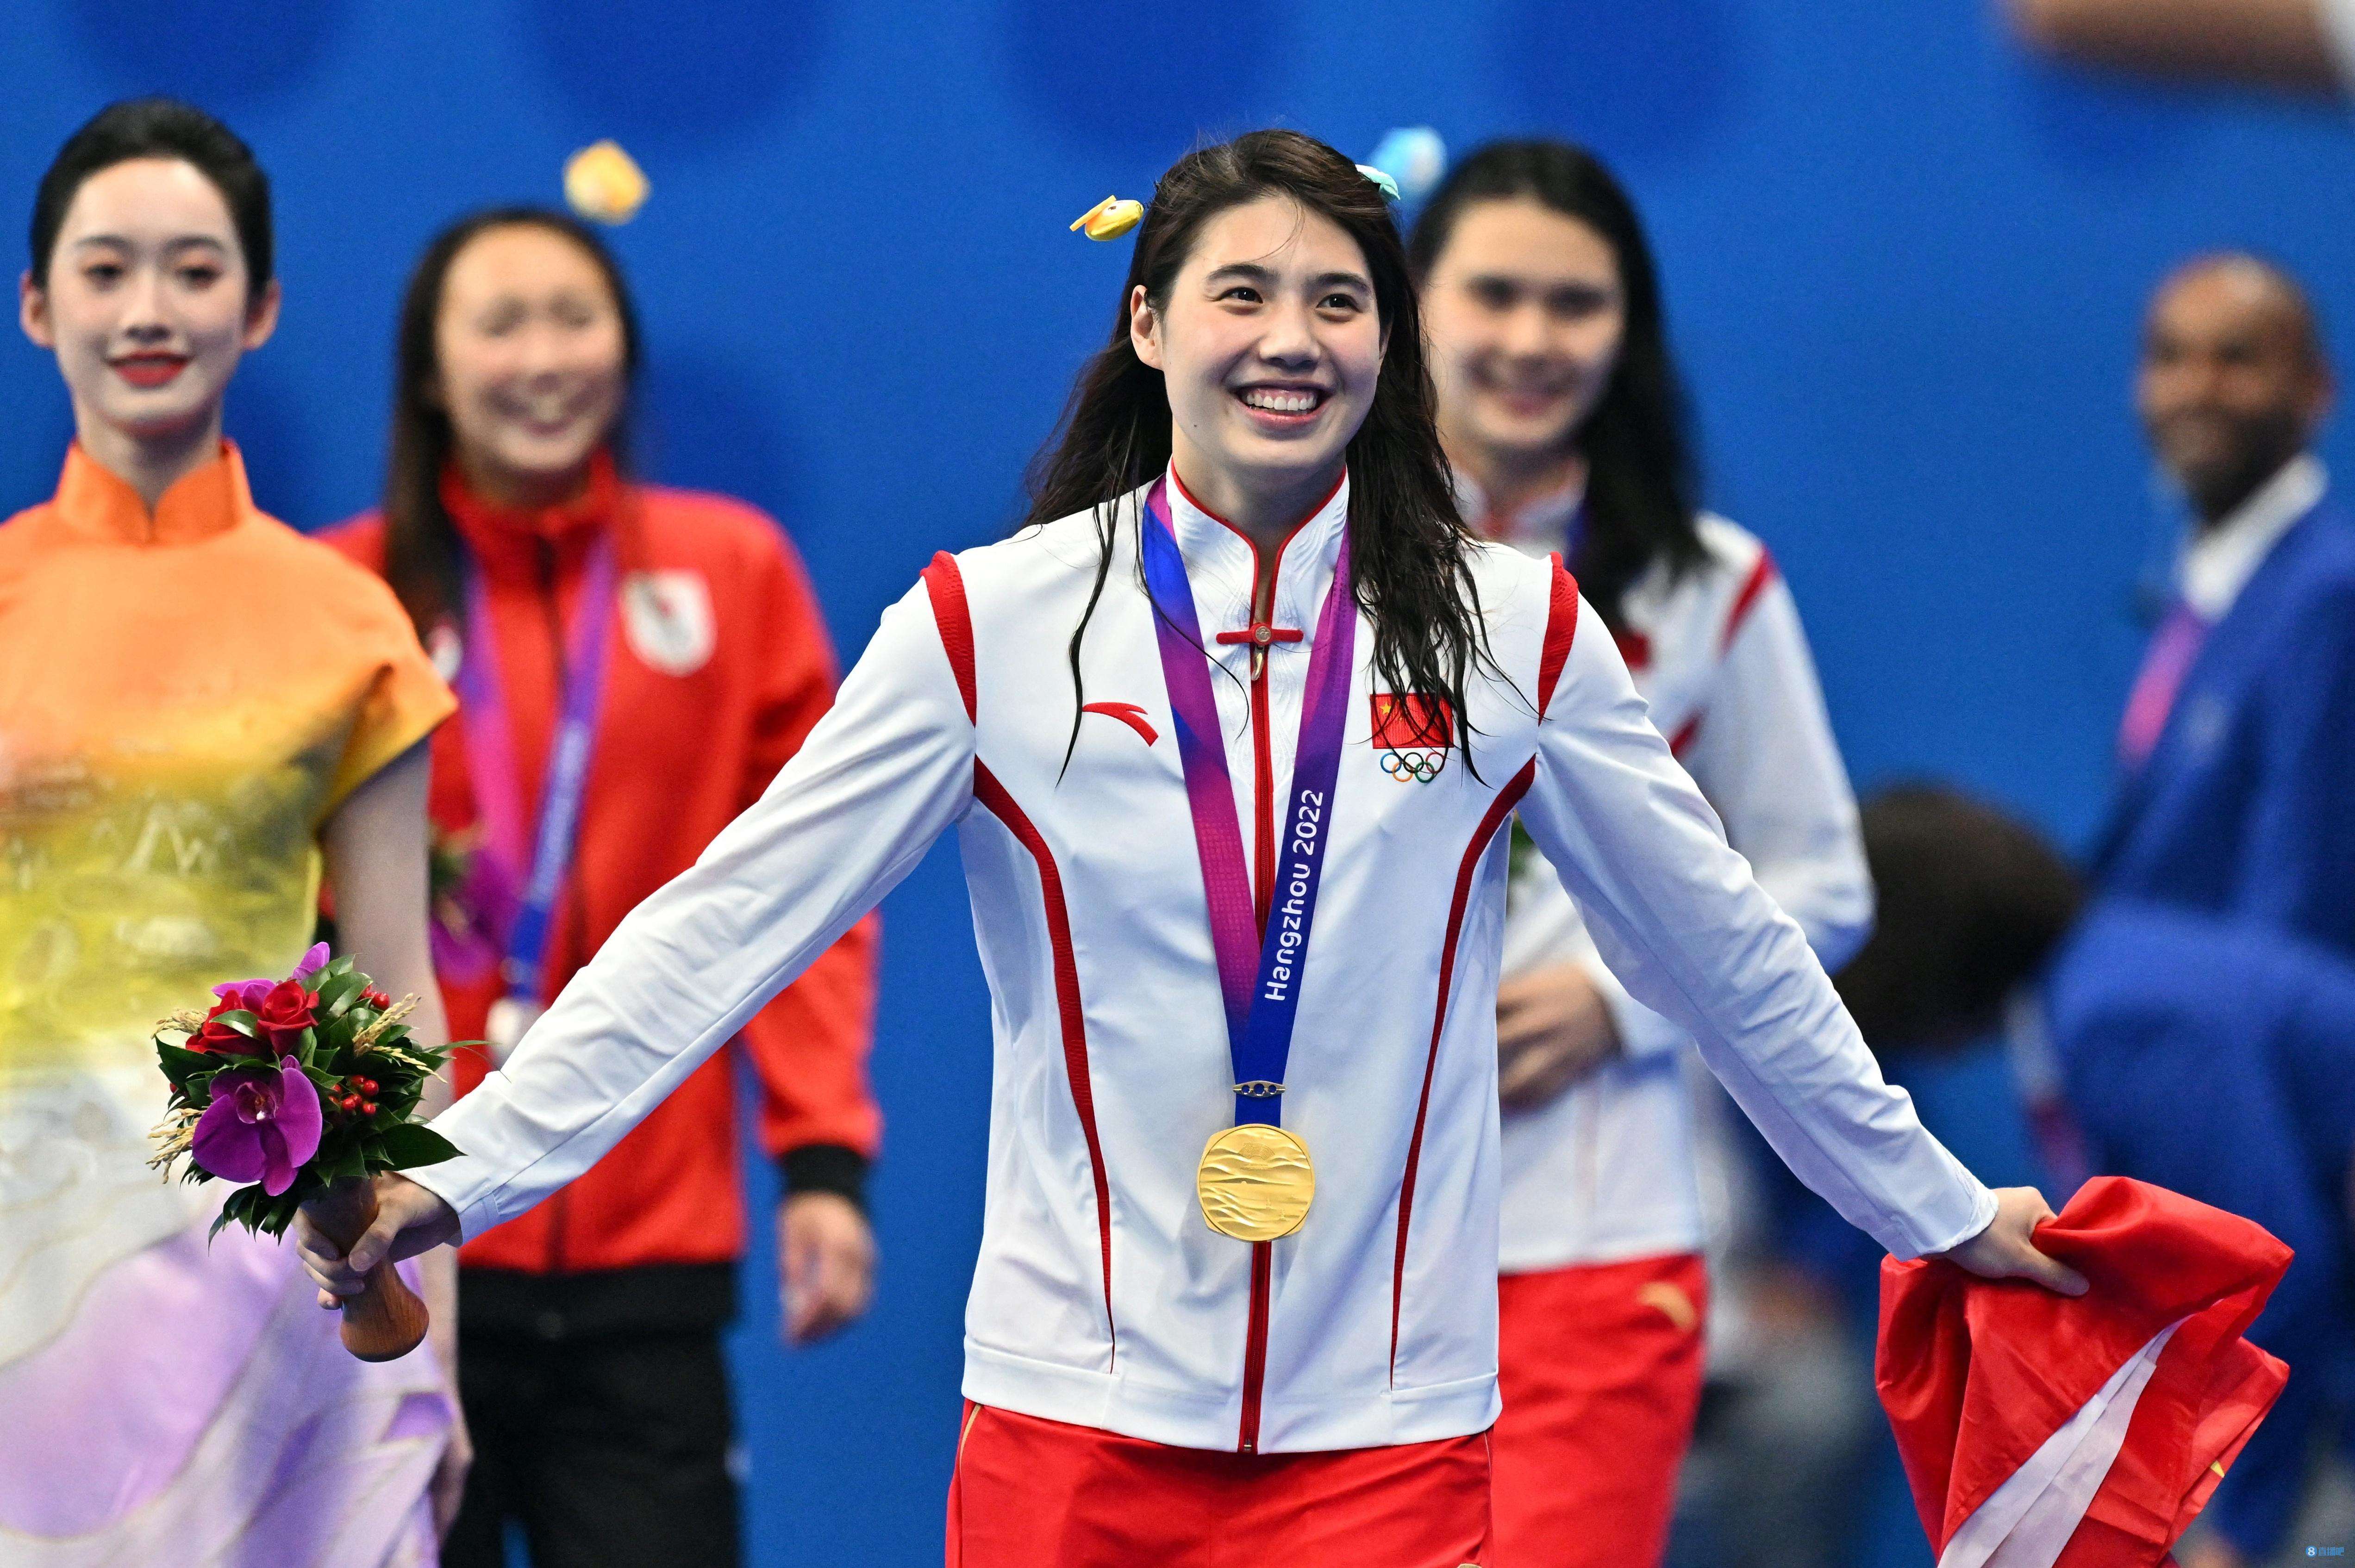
1255, 1182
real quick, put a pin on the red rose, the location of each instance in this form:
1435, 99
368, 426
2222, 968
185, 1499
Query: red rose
285, 1013
216, 1038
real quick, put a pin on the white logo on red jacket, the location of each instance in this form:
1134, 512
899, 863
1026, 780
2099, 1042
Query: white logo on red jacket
668, 616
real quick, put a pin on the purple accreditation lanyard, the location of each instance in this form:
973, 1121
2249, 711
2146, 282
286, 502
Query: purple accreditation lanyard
490, 763
1263, 999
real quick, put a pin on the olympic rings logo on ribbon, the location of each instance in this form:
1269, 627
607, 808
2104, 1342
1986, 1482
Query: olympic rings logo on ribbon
1414, 767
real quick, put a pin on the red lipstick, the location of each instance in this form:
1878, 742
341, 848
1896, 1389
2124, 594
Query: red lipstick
147, 371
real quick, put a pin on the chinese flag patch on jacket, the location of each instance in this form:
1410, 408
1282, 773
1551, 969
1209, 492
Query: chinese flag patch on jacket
2042, 1431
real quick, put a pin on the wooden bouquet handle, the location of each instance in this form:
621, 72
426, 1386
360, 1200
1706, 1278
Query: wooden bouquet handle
387, 1319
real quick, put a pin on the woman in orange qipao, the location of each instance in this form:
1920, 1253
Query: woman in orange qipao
200, 712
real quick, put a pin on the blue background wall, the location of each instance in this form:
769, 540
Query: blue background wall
1905, 268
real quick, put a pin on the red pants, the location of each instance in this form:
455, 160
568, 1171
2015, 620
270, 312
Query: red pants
1599, 1365
1030, 1493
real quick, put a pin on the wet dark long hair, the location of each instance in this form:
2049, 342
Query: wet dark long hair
423, 559
1409, 548
1641, 488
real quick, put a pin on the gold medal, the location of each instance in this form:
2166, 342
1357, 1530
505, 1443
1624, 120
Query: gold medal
1255, 1182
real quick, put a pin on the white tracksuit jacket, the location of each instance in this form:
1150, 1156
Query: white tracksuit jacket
1100, 1296
1606, 1172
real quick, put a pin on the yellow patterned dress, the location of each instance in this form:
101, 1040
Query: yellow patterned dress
186, 697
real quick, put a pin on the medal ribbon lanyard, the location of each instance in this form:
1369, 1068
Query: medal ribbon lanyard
490, 760
1262, 998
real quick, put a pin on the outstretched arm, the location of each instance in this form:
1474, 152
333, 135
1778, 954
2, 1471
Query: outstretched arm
1680, 919
880, 777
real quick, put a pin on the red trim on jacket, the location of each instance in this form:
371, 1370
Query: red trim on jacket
1562, 631
992, 795
945, 585
1262, 1283
1179, 481
1498, 810
1746, 600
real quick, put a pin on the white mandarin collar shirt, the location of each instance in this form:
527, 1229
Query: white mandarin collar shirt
1222, 562
2217, 565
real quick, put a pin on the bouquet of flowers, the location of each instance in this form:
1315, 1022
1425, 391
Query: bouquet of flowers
303, 1089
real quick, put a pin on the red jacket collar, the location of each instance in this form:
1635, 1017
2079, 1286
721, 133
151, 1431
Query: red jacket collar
497, 534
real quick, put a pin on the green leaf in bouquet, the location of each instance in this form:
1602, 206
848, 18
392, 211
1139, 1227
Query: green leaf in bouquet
272, 1215
189, 1071
337, 996
240, 1020
349, 1162
409, 1144
240, 1209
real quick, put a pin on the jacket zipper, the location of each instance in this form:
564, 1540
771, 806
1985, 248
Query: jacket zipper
1262, 897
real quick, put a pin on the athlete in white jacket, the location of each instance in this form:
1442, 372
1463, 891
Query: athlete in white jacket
1309, 1380
1557, 405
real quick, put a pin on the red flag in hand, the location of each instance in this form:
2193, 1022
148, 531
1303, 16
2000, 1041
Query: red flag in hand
2045, 1431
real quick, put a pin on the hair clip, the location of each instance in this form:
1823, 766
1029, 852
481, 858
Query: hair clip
603, 183
1389, 185
1414, 157
1110, 219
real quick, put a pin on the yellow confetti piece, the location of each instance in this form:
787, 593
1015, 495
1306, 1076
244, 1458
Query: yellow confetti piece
603, 183
1110, 219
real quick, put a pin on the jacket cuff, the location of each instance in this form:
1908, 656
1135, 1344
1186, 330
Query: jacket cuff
1982, 1200
475, 1206
825, 1168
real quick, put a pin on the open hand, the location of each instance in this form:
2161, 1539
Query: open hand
2007, 1248
1552, 1029
409, 1220
825, 1263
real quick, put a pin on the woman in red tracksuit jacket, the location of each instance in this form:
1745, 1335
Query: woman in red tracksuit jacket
675, 633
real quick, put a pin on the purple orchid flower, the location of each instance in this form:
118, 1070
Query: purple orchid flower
247, 993
262, 1124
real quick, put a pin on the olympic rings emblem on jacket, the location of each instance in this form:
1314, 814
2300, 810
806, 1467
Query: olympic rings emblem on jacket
1413, 767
